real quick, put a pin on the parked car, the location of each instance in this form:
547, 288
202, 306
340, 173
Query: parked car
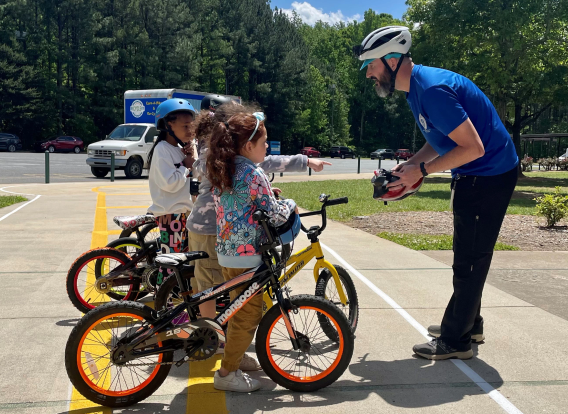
10, 142
341, 152
310, 152
63, 144
383, 154
403, 154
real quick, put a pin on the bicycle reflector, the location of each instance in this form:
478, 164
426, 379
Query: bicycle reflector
382, 193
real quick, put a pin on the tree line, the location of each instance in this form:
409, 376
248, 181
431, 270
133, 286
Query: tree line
65, 65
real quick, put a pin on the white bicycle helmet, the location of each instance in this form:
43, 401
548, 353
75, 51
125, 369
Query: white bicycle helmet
383, 42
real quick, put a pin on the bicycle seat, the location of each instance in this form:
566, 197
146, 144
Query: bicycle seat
175, 259
129, 222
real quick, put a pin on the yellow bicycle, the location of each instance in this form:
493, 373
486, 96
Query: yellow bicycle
333, 282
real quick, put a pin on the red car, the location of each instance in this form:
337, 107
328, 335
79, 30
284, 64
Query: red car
403, 154
310, 152
62, 144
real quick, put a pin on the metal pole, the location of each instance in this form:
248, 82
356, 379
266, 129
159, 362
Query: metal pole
310, 171
397, 160
359, 164
379, 163
47, 167
281, 174
112, 167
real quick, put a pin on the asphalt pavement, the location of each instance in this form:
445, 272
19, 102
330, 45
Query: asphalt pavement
29, 167
521, 368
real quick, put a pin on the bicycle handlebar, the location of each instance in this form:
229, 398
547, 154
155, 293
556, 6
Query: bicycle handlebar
325, 203
261, 217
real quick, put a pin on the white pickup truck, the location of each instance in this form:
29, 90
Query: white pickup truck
132, 141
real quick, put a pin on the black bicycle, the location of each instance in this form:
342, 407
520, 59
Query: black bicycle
121, 352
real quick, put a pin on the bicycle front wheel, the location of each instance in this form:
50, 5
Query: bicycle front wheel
320, 361
130, 246
327, 289
90, 266
89, 356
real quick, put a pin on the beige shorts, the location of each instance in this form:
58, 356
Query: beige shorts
208, 273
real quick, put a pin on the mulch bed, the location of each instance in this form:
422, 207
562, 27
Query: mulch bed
525, 232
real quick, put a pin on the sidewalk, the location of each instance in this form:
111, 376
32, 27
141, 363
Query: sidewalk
400, 293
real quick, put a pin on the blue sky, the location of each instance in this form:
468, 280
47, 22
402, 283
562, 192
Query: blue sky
334, 10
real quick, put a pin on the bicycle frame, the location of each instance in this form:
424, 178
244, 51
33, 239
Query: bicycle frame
256, 278
297, 261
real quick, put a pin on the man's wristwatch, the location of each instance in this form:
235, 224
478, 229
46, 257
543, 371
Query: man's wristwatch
423, 169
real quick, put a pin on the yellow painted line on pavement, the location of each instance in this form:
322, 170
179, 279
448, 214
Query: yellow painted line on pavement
202, 398
98, 239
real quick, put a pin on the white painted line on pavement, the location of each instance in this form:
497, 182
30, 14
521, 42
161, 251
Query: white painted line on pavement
12, 192
463, 367
19, 208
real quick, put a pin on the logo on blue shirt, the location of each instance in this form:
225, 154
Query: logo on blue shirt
423, 123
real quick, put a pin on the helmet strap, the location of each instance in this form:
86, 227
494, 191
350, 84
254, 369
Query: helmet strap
171, 132
393, 72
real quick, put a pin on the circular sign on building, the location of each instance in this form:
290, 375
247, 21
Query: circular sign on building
137, 108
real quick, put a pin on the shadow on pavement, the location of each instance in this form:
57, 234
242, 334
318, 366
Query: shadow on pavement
68, 322
396, 382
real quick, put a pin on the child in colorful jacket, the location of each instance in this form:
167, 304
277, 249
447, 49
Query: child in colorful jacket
201, 222
241, 188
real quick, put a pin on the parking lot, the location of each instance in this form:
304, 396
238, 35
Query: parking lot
29, 167
521, 367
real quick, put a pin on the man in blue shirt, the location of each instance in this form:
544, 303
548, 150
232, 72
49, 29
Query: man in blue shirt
463, 134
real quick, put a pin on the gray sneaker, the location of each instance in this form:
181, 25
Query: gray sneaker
235, 381
437, 349
476, 333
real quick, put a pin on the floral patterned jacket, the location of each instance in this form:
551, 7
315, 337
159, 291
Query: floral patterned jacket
202, 217
238, 235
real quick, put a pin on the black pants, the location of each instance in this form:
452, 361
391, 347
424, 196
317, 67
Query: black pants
480, 204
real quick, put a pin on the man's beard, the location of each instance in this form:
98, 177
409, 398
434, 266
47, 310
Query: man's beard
382, 86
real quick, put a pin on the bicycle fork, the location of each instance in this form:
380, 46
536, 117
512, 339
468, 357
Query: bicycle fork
321, 263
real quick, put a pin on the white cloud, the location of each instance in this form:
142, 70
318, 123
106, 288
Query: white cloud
310, 15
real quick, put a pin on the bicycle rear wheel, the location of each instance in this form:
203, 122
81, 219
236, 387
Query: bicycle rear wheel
89, 350
320, 361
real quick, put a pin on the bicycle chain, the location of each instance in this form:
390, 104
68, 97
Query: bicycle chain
155, 363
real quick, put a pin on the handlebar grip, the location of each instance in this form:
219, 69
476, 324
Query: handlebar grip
336, 201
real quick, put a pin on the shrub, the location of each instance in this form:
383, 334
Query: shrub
553, 207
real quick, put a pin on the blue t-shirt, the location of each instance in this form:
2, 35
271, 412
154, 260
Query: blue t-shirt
441, 101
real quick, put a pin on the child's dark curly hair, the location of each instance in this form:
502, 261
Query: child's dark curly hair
227, 139
206, 120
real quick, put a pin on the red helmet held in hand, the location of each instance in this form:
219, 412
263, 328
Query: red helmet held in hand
382, 193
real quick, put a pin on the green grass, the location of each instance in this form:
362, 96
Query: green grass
6, 201
433, 196
429, 241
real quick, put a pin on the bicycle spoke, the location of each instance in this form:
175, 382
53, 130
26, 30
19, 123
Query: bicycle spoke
320, 355
99, 368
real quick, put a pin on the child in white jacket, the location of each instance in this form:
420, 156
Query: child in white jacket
170, 161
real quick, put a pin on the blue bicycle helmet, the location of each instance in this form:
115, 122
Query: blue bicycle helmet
290, 230
169, 106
